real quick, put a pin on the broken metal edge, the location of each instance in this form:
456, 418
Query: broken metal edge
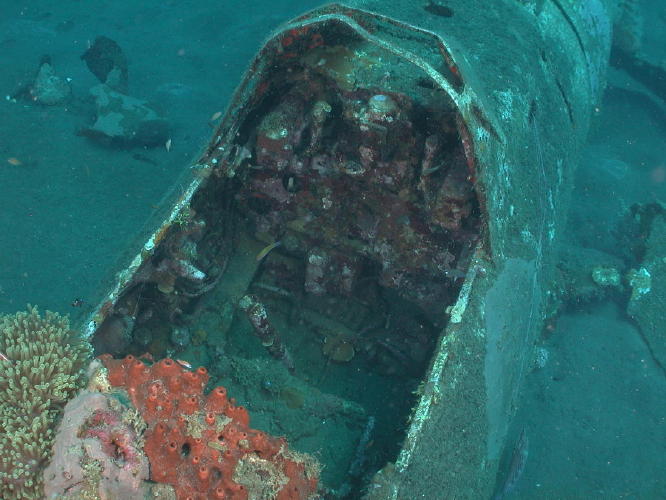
431, 382
100, 313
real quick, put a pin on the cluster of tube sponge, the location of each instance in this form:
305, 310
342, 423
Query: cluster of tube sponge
202, 445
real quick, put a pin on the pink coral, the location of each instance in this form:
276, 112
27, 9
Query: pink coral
97, 452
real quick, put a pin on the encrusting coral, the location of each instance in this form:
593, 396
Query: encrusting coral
98, 452
40, 370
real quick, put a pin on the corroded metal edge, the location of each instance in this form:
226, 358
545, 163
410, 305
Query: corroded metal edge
100, 313
431, 392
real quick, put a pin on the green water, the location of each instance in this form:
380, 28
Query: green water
72, 211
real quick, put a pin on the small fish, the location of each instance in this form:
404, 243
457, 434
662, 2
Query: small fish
428, 171
4, 358
264, 251
455, 274
144, 159
14, 161
184, 364
212, 121
77, 302
167, 145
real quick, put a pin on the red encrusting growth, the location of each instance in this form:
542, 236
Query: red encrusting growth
202, 445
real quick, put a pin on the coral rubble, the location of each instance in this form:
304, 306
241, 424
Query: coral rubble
125, 121
42, 370
49, 88
107, 61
